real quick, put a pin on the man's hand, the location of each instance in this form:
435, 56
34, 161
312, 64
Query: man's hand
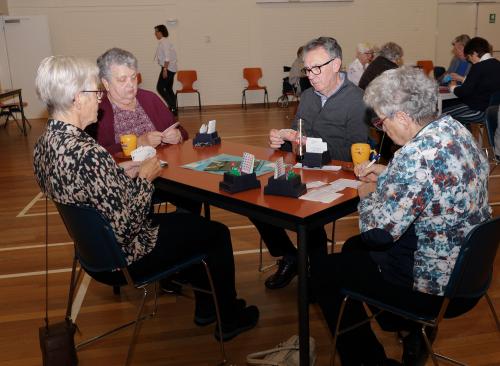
456, 77
368, 174
278, 137
365, 189
150, 139
150, 169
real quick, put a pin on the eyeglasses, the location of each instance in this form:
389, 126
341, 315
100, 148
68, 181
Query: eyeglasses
98, 93
316, 70
379, 123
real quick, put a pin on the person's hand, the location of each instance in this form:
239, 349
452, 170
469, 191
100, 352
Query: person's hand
453, 85
278, 137
131, 168
150, 139
365, 189
367, 173
171, 136
150, 169
454, 76
164, 73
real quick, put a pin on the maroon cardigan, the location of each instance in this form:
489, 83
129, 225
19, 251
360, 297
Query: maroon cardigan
157, 111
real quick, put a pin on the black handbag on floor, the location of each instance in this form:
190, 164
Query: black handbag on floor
57, 340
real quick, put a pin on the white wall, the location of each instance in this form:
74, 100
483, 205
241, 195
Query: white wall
220, 37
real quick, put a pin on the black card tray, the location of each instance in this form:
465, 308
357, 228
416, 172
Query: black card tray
316, 160
206, 139
238, 183
291, 187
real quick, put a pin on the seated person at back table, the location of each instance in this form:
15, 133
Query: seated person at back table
71, 168
389, 57
126, 109
332, 109
297, 78
480, 84
414, 215
364, 55
459, 67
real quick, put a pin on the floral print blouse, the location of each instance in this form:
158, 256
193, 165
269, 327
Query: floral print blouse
71, 168
437, 186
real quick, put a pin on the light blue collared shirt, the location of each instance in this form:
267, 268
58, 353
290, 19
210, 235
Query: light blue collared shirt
325, 98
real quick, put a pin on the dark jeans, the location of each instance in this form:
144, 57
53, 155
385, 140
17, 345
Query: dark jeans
279, 244
354, 269
181, 236
164, 88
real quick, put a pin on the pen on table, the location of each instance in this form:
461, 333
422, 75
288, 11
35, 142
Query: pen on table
375, 159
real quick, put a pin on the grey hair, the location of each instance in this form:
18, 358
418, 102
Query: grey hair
405, 89
60, 78
364, 47
115, 56
329, 44
462, 39
391, 51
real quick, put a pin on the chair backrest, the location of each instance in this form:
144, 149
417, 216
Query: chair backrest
187, 78
491, 121
96, 246
252, 75
495, 98
426, 65
473, 270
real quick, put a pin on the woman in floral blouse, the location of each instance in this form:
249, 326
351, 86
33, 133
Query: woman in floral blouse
414, 215
72, 168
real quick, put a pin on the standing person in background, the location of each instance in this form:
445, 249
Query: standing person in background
364, 55
167, 59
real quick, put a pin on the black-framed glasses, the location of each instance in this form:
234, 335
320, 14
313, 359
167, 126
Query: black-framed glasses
98, 93
316, 70
378, 123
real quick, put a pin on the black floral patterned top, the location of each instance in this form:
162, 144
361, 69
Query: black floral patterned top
70, 167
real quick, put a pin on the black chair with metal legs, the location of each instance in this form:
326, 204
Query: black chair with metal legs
470, 278
97, 250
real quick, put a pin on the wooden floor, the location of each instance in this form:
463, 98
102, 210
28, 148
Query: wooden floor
172, 338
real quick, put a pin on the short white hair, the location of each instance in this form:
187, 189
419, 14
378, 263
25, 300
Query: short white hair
364, 47
60, 78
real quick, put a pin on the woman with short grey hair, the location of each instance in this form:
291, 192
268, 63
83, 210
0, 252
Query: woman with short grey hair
389, 57
71, 168
414, 215
115, 56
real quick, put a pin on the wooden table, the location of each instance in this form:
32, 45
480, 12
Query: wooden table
285, 212
13, 93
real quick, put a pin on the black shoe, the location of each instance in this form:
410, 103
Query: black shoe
205, 317
287, 270
415, 351
246, 319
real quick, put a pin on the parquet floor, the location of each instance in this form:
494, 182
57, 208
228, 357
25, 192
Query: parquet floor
172, 338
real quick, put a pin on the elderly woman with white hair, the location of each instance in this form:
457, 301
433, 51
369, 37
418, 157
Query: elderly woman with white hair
389, 57
364, 55
424, 202
72, 168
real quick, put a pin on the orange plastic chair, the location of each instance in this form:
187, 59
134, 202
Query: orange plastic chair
252, 75
426, 65
187, 78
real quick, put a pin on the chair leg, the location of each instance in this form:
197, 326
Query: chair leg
217, 312
243, 100
493, 312
332, 240
176, 102
266, 97
138, 322
334, 340
206, 208
199, 101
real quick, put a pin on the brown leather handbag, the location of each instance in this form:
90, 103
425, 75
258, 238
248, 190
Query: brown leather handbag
57, 340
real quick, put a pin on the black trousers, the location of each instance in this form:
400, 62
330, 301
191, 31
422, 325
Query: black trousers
354, 269
164, 88
280, 245
183, 235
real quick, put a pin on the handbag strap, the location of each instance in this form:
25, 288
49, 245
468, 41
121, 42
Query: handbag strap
46, 264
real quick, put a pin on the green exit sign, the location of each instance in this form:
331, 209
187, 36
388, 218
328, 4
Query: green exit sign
492, 18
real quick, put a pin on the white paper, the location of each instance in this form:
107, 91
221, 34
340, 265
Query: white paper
203, 128
342, 183
142, 153
211, 126
331, 168
315, 184
324, 195
315, 145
